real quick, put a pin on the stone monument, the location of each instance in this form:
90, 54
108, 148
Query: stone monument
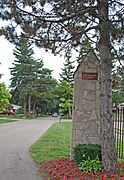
86, 103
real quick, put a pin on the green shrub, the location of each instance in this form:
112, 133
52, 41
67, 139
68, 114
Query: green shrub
83, 151
90, 165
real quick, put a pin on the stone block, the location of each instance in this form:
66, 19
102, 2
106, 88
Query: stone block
91, 127
91, 95
90, 70
89, 106
78, 135
89, 85
93, 115
92, 65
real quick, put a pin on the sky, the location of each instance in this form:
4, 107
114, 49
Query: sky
51, 62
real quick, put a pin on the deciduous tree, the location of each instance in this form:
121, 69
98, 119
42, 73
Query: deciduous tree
4, 96
65, 92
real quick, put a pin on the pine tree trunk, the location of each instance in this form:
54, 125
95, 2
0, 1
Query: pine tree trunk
109, 157
34, 105
24, 105
29, 103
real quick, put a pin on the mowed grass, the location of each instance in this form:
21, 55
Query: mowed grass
2, 121
55, 143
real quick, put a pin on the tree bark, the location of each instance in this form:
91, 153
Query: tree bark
34, 105
24, 105
69, 111
29, 103
109, 156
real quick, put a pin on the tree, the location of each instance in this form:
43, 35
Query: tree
65, 24
4, 96
31, 84
118, 85
45, 91
65, 92
24, 74
117, 97
118, 80
67, 73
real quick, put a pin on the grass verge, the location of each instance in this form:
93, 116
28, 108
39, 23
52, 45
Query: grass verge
52, 152
2, 121
55, 143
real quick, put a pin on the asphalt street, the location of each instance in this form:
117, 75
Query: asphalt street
15, 140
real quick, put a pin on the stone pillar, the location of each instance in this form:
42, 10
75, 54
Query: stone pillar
86, 103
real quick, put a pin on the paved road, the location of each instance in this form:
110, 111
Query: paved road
15, 140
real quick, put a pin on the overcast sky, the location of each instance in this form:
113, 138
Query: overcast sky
51, 62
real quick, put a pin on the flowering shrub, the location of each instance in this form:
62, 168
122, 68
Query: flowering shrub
63, 169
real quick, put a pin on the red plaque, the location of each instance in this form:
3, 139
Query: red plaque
90, 76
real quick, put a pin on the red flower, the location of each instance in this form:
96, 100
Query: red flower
94, 176
87, 173
49, 171
58, 161
50, 160
82, 178
76, 175
76, 169
44, 165
62, 172
112, 175
67, 169
120, 178
67, 162
57, 167
104, 176
57, 177
53, 173
69, 173
65, 177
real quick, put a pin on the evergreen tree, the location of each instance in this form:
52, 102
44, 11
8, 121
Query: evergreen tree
67, 80
67, 73
83, 50
24, 74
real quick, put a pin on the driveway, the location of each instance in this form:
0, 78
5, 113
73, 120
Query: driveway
15, 140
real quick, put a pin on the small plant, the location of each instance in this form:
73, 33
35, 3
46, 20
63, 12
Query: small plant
91, 165
83, 151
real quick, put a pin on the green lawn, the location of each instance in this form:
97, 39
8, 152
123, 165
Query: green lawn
2, 121
55, 143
